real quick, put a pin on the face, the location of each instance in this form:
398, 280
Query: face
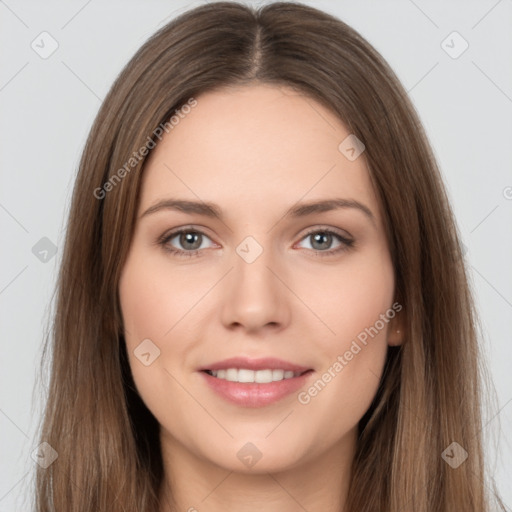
264, 278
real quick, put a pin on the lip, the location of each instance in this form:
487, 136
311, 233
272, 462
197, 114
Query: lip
263, 363
245, 394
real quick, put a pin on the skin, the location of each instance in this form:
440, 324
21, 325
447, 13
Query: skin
256, 151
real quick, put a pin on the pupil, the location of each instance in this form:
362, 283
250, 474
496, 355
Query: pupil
189, 238
318, 238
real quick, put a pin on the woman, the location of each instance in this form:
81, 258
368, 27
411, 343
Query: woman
261, 369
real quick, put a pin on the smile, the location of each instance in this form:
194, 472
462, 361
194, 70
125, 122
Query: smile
259, 376
246, 391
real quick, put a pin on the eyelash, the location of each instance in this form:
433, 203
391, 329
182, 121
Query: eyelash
165, 238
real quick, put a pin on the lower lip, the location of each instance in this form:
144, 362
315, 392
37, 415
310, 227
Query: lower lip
249, 394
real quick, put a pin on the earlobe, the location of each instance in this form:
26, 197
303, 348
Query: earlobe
396, 331
395, 338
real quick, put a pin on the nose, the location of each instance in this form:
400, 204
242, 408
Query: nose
255, 297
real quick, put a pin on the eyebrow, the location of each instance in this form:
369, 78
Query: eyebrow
212, 210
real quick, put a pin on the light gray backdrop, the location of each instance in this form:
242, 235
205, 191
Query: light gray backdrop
58, 61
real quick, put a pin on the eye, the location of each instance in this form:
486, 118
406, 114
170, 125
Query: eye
190, 239
322, 239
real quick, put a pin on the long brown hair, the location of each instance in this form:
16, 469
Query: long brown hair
430, 394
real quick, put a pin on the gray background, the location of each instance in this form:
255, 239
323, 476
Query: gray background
48, 106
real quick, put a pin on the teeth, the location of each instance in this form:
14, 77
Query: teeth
259, 376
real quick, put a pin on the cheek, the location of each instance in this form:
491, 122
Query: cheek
356, 304
160, 302
154, 298
151, 312
350, 299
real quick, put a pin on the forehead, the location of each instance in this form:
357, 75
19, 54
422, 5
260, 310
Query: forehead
252, 147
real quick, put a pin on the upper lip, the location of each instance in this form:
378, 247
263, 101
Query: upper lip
264, 363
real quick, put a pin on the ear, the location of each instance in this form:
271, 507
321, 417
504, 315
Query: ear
396, 329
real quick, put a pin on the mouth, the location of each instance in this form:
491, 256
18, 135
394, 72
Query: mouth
255, 388
264, 376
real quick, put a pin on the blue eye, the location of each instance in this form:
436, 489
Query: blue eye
322, 237
192, 242
188, 238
